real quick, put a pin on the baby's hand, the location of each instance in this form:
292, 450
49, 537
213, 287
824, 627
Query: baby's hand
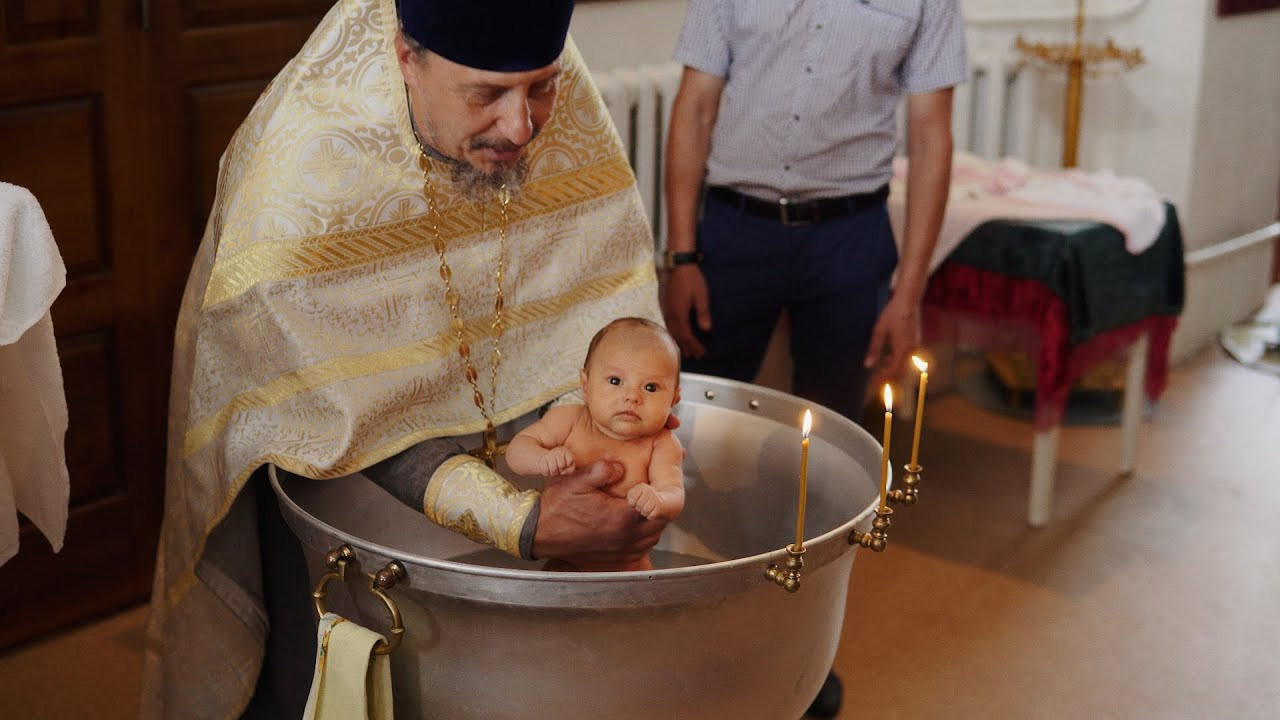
645, 500
557, 461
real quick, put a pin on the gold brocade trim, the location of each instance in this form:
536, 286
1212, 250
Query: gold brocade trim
465, 496
467, 526
338, 369
270, 260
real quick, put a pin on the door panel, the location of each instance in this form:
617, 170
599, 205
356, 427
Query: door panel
93, 440
39, 20
213, 112
51, 149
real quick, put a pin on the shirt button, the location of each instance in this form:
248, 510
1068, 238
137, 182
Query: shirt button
808, 69
818, 26
795, 117
786, 167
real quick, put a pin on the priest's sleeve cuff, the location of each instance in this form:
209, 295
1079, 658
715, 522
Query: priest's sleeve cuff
466, 496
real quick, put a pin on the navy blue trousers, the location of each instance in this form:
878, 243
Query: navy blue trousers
832, 278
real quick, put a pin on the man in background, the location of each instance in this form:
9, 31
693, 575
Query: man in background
778, 161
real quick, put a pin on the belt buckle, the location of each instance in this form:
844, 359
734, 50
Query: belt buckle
784, 214
786, 218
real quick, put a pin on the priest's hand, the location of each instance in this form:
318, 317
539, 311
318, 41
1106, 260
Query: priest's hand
581, 523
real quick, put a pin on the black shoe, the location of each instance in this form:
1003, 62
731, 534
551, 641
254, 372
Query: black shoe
829, 698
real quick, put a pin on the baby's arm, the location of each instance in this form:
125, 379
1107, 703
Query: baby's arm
539, 449
662, 498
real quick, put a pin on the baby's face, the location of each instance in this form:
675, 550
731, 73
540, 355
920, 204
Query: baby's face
630, 385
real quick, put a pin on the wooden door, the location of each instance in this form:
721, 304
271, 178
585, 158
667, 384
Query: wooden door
114, 114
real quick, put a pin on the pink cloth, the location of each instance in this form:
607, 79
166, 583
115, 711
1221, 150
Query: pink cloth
1008, 189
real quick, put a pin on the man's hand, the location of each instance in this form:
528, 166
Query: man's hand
898, 330
581, 523
686, 291
557, 461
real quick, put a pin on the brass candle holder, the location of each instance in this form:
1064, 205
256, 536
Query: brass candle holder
1077, 57
909, 493
878, 538
788, 576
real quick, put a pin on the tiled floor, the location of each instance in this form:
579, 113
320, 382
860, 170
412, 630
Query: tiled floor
1152, 597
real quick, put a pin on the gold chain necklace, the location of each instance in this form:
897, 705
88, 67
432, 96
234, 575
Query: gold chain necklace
489, 452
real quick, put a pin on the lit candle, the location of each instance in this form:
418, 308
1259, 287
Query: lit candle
804, 477
924, 381
884, 461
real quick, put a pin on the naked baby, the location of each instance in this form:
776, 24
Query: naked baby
630, 381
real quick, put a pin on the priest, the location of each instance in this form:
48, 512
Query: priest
416, 231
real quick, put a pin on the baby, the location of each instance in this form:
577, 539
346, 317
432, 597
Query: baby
630, 382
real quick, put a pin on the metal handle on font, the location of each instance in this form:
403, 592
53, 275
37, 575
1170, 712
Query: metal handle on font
385, 579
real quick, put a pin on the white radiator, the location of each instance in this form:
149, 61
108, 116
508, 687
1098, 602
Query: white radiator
639, 100
991, 117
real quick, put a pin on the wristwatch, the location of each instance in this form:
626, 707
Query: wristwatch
671, 259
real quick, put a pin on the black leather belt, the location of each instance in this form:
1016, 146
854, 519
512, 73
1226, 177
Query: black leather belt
808, 212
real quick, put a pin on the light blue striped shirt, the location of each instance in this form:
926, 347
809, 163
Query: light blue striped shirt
812, 87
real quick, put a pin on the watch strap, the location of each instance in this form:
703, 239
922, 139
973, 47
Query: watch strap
672, 259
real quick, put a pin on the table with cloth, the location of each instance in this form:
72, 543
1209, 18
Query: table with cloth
1070, 294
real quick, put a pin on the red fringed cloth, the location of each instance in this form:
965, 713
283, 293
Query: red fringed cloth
971, 306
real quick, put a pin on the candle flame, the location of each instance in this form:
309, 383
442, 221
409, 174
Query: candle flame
921, 365
888, 398
808, 423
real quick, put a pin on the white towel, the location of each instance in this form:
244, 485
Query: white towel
33, 409
350, 683
1008, 189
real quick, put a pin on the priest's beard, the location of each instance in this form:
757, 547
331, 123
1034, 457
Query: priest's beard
473, 183
479, 185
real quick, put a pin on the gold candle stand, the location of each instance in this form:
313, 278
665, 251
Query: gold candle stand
788, 577
909, 493
878, 538
1077, 57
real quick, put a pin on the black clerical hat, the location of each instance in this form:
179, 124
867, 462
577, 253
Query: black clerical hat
501, 35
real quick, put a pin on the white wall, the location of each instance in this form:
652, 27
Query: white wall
1236, 152
1234, 174
627, 32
